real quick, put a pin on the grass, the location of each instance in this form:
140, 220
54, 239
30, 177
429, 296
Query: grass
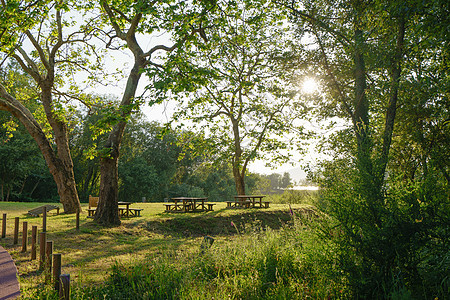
91, 254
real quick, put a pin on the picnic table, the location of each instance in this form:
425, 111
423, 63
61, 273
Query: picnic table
247, 201
126, 211
188, 204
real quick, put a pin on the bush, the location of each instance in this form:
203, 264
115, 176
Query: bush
395, 248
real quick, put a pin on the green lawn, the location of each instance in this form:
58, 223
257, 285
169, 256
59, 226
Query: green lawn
89, 253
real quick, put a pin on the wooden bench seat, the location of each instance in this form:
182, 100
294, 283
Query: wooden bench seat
136, 212
266, 204
40, 210
169, 206
238, 204
210, 206
133, 212
93, 203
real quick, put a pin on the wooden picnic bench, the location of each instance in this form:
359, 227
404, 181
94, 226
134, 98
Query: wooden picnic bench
35, 212
247, 201
126, 211
93, 203
236, 204
189, 204
123, 211
132, 212
136, 212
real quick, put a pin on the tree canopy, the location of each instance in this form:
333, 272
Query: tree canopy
237, 89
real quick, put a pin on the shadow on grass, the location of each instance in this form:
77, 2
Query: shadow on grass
213, 223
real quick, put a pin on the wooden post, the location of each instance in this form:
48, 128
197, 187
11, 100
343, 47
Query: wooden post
64, 289
4, 226
57, 211
24, 236
56, 270
42, 243
48, 260
33, 242
16, 231
44, 220
78, 221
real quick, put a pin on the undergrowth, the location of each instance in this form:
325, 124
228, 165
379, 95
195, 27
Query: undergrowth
258, 263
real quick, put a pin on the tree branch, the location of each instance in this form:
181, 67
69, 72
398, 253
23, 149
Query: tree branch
112, 19
38, 48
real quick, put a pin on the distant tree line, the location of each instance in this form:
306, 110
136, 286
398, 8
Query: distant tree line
157, 162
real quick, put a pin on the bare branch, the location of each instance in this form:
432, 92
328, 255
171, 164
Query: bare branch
39, 49
31, 68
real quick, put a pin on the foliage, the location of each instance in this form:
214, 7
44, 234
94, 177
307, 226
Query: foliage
378, 63
392, 256
285, 264
278, 181
164, 156
23, 174
237, 89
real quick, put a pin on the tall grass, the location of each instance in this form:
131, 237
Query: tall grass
258, 263
267, 264
295, 197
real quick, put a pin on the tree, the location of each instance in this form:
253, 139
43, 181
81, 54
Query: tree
53, 53
129, 19
237, 89
18, 158
285, 180
344, 57
84, 141
363, 53
275, 180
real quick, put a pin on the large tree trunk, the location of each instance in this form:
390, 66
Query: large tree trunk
107, 210
366, 185
64, 175
236, 162
60, 166
238, 180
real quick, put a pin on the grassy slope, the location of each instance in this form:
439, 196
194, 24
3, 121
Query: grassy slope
88, 254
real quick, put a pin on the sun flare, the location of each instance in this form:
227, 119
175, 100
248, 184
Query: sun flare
310, 86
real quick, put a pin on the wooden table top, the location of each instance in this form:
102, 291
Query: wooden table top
189, 198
